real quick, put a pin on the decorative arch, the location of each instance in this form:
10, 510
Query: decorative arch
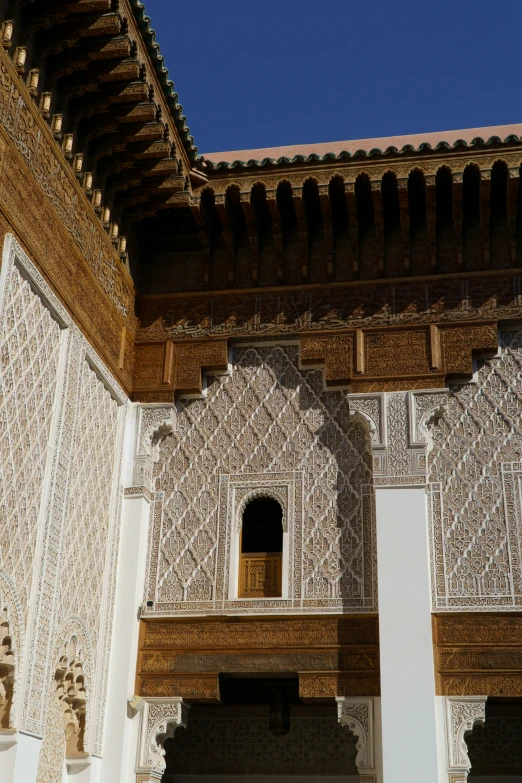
279, 494
159, 720
73, 677
357, 715
70, 692
462, 714
12, 638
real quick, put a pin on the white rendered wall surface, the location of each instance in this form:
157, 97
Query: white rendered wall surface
121, 730
409, 736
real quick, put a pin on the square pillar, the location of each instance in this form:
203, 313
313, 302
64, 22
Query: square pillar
408, 702
398, 424
147, 426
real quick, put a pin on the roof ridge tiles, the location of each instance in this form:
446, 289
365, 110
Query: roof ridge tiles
321, 152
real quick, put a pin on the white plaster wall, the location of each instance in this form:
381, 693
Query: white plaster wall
122, 723
409, 736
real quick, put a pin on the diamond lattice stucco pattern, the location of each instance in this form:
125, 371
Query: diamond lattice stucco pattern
475, 553
30, 341
87, 520
266, 416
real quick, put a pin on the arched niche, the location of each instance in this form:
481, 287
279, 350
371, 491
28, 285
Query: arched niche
261, 549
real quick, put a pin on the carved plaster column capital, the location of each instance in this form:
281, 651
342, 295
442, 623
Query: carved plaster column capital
461, 715
153, 424
357, 714
159, 719
398, 424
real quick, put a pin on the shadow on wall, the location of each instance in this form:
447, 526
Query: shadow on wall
269, 416
495, 749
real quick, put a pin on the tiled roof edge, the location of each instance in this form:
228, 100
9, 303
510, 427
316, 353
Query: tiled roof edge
374, 152
153, 48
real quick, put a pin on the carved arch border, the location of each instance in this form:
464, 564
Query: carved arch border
279, 494
9, 600
159, 719
73, 630
461, 714
243, 486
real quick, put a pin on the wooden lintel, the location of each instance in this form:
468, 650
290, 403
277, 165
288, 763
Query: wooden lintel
123, 340
435, 355
359, 351
168, 364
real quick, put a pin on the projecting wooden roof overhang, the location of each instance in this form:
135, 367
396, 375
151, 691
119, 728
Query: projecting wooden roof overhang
95, 71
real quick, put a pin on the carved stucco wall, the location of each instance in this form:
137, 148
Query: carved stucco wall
237, 741
267, 421
30, 345
474, 491
61, 428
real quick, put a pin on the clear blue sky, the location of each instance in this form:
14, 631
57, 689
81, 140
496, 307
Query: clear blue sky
257, 74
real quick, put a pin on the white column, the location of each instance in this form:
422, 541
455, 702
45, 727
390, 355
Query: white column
147, 426
408, 702
119, 747
19, 754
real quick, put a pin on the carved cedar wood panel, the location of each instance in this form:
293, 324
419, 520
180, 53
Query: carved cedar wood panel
267, 416
30, 343
474, 494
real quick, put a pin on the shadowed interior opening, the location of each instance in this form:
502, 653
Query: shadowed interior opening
262, 526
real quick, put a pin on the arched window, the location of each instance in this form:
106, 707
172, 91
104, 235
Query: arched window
260, 572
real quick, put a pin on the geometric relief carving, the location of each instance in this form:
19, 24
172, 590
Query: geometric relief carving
334, 655
159, 719
266, 418
153, 424
61, 424
496, 747
474, 495
357, 715
68, 729
461, 714
398, 424
30, 343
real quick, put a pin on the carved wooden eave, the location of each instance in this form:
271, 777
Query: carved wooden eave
333, 656
98, 79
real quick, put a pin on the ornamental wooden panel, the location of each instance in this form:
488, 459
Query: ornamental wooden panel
478, 654
260, 575
333, 655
